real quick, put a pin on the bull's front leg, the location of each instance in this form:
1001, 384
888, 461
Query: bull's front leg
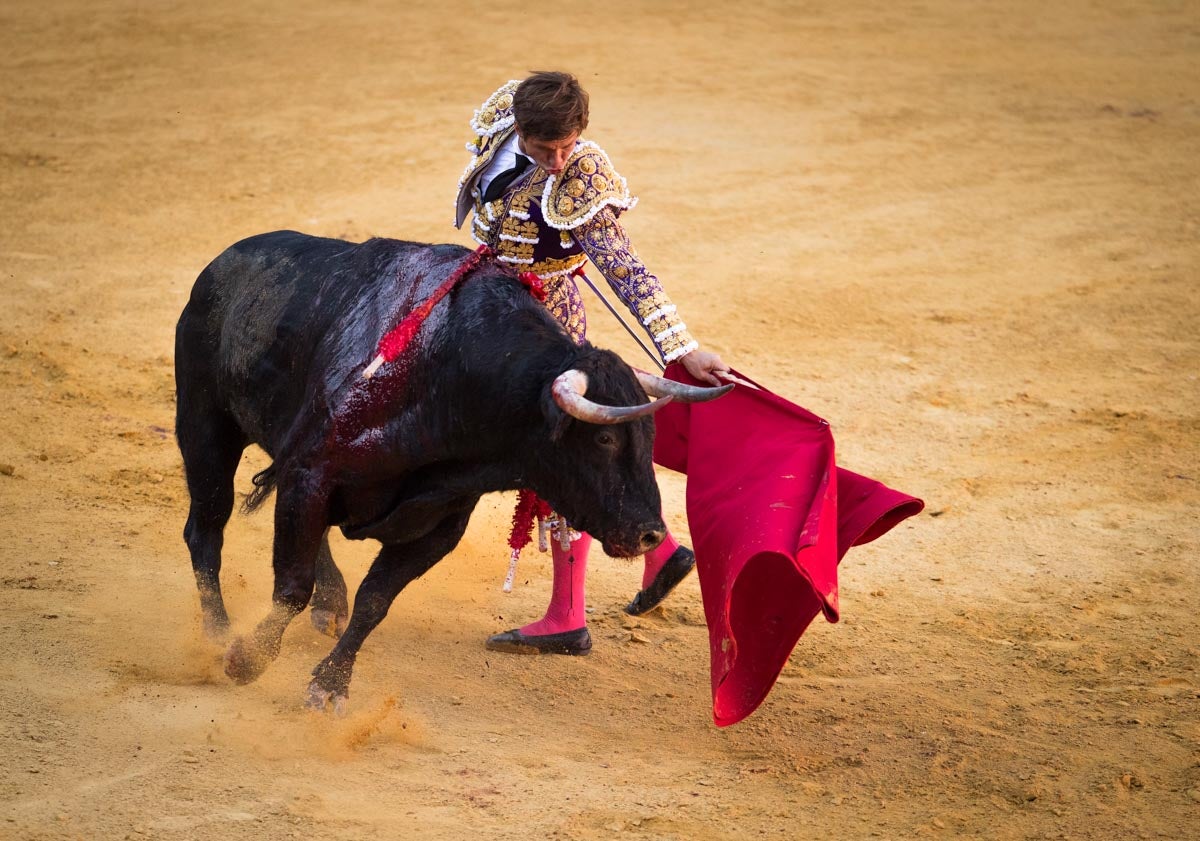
301, 518
393, 568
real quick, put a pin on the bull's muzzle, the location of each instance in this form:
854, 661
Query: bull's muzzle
636, 542
651, 536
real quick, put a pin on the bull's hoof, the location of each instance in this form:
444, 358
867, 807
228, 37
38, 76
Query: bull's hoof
577, 642
318, 699
329, 622
245, 661
674, 571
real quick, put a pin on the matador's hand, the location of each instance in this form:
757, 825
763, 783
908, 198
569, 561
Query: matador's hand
703, 365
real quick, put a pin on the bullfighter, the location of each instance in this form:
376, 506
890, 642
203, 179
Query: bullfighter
547, 201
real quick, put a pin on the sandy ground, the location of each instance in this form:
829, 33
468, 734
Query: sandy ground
966, 235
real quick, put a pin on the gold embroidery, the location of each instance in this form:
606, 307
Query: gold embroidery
514, 227
652, 303
560, 266
520, 203
588, 183
566, 305
520, 250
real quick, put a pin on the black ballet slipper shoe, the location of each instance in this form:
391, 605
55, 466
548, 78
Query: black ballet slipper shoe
576, 643
674, 570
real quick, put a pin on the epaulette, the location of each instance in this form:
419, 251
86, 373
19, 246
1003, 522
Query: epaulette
494, 116
587, 185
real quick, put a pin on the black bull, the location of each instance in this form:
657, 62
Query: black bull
270, 351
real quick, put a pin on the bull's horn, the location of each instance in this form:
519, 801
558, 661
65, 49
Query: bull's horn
684, 393
568, 391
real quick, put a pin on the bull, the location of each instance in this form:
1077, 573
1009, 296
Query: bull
491, 395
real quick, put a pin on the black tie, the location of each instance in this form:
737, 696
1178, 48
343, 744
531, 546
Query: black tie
500, 183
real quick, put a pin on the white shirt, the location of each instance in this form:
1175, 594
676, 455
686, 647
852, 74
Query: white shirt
504, 159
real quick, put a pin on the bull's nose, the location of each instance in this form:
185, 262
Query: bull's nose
651, 537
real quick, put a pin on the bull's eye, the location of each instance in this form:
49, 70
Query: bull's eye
607, 439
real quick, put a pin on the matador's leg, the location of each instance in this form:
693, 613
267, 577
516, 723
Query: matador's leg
563, 630
664, 568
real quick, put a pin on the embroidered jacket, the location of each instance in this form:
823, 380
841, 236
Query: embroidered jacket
551, 225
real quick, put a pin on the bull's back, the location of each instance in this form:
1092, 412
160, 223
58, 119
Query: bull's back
276, 318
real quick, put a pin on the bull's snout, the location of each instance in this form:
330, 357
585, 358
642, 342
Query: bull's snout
635, 542
652, 535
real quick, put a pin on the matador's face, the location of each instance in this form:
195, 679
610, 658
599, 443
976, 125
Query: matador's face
550, 155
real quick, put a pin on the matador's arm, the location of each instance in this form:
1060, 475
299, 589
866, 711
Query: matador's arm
608, 247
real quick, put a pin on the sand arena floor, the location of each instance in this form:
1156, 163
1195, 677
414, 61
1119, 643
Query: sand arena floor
966, 234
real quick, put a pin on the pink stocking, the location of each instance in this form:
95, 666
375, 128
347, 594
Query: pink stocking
656, 558
566, 610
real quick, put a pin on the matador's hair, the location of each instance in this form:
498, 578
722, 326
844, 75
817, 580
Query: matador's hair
550, 105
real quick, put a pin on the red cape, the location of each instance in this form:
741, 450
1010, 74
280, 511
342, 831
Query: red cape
771, 515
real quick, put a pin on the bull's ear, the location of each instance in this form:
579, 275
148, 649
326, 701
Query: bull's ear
557, 421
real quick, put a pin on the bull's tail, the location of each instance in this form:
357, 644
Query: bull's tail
264, 485
266, 481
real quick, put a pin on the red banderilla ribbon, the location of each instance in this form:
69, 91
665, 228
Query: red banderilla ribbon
535, 286
399, 337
